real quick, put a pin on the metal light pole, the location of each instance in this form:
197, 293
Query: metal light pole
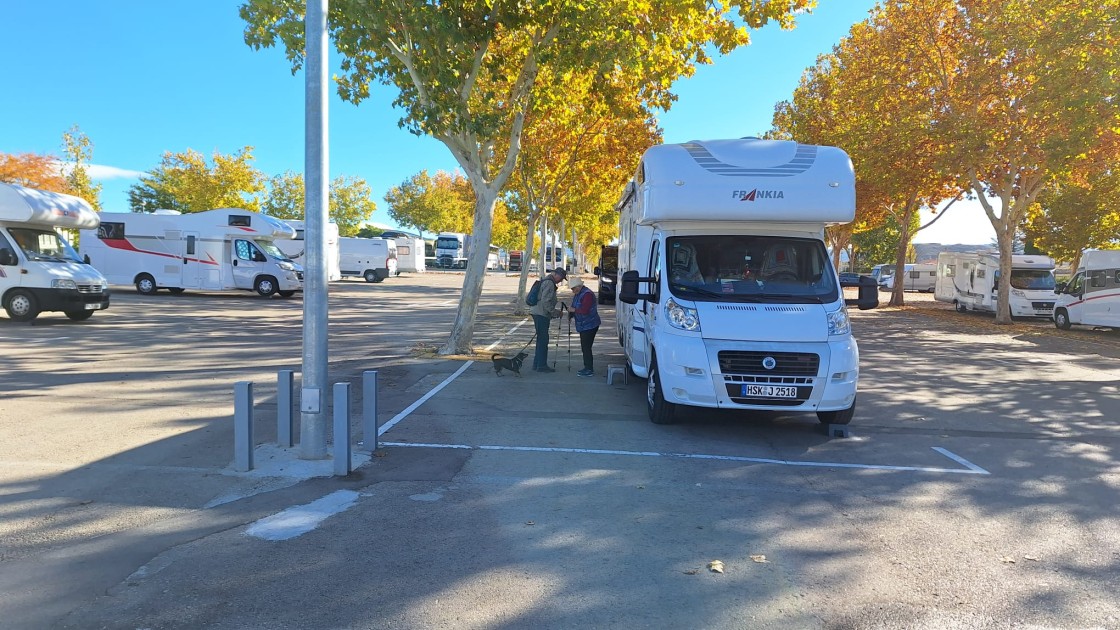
313, 396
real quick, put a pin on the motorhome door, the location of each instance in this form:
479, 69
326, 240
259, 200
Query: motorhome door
191, 267
247, 260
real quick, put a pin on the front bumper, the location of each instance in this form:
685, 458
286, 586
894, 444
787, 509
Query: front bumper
84, 298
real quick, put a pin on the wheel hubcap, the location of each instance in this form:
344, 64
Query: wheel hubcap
651, 388
20, 305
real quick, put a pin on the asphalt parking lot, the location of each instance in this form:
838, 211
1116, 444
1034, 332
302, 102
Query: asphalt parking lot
978, 488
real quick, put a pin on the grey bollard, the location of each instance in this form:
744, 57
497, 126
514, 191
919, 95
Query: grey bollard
342, 429
369, 410
243, 426
285, 419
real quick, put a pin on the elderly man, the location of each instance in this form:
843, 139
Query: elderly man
543, 311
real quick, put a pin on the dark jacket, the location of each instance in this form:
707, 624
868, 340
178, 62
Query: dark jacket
585, 308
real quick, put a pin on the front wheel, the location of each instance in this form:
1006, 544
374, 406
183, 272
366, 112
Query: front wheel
265, 286
286, 294
371, 276
79, 316
22, 306
1061, 319
176, 290
660, 410
145, 284
960, 307
842, 416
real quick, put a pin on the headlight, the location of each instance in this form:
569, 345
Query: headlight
1018, 293
838, 322
682, 317
606, 280
287, 266
64, 284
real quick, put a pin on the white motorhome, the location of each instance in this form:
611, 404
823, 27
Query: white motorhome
921, 277
728, 297
881, 272
1092, 296
216, 250
296, 248
371, 258
970, 281
410, 251
39, 270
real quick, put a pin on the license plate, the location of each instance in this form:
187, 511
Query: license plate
92, 307
768, 391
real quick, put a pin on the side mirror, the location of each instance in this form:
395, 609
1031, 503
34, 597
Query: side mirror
868, 295
1060, 287
628, 288
598, 271
7, 257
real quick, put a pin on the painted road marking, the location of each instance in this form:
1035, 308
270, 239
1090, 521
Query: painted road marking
972, 469
300, 519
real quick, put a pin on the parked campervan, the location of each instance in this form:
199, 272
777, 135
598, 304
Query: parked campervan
39, 270
1092, 296
373, 259
215, 250
915, 277
728, 297
970, 281
296, 248
881, 272
410, 251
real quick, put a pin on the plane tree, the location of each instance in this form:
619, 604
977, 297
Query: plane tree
186, 182
1070, 218
351, 200
466, 72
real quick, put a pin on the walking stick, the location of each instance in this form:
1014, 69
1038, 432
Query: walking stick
556, 346
569, 341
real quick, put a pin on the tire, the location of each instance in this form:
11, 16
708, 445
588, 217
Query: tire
602, 300
146, 284
265, 286
960, 307
370, 276
660, 410
842, 416
79, 316
21, 306
176, 290
1061, 319
286, 294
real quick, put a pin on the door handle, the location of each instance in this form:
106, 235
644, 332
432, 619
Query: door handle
235, 263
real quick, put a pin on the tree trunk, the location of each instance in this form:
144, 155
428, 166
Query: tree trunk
898, 292
462, 331
519, 307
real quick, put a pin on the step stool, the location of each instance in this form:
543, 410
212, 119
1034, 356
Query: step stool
616, 370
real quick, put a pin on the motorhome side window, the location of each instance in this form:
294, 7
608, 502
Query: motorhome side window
240, 220
1096, 279
244, 249
742, 267
949, 271
6, 246
191, 244
110, 230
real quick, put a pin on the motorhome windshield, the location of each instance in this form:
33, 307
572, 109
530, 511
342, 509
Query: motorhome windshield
747, 268
43, 245
444, 242
1031, 279
272, 250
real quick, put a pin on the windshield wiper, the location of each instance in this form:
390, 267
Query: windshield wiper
700, 290
791, 297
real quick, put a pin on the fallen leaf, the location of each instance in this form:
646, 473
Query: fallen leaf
1008, 559
1031, 558
641, 487
760, 558
530, 523
715, 566
380, 454
692, 571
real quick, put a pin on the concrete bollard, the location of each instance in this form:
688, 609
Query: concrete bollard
243, 426
285, 419
369, 410
342, 429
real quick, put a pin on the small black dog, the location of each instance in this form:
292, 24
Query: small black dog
513, 365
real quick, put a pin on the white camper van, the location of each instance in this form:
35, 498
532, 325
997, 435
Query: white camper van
410, 251
296, 248
371, 258
1092, 296
728, 297
215, 250
39, 270
970, 281
915, 277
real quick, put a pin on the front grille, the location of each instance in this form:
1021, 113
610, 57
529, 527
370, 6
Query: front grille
299, 275
1042, 306
90, 288
787, 363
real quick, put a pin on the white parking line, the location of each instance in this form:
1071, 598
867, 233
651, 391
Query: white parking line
972, 468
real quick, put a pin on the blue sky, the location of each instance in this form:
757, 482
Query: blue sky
141, 77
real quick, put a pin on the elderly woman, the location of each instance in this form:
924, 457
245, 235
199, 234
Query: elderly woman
586, 314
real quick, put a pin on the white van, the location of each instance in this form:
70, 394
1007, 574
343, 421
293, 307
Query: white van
215, 250
1092, 296
39, 270
728, 297
915, 277
371, 258
970, 281
296, 248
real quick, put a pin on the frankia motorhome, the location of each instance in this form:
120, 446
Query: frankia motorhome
39, 270
739, 304
970, 281
215, 250
296, 248
1092, 296
919, 277
371, 258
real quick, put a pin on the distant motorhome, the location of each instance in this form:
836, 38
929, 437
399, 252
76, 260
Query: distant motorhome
1092, 296
39, 270
215, 250
372, 259
970, 281
296, 248
916, 277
